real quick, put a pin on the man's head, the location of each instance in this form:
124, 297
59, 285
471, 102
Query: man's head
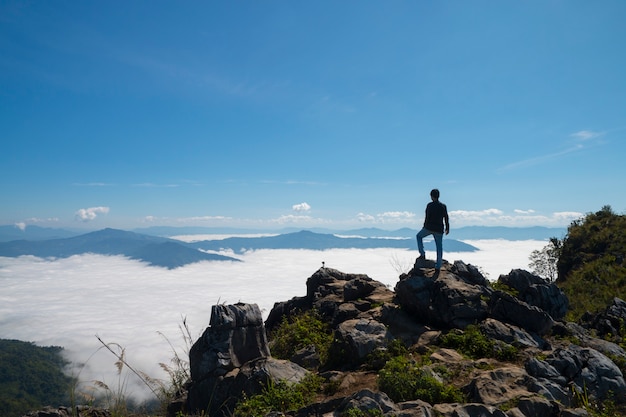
434, 194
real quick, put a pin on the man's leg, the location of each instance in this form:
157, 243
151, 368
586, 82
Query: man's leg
439, 243
420, 243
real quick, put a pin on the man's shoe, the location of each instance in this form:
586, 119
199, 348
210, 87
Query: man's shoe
421, 257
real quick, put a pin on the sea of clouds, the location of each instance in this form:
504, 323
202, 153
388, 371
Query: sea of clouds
67, 302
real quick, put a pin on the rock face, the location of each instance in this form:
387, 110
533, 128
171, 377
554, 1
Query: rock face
232, 357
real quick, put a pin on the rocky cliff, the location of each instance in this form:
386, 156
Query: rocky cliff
555, 368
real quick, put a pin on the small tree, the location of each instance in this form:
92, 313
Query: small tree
543, 262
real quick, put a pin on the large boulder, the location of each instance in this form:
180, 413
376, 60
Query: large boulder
446, 301
355, 339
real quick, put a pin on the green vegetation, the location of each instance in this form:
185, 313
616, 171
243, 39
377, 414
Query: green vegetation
302, 330
281, 396
473, 343
31, 377
403, 379
591, 268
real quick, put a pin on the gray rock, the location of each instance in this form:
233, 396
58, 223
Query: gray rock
538, 292
368, 401
357, 338
509, 309
467, 410
511, 334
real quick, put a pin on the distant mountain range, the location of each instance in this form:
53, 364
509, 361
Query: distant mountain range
8, 233
154, 250
170, 253
318, 241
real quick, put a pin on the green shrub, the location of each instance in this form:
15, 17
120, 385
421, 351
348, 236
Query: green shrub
281, 396
473, 343
301, 330
402, 379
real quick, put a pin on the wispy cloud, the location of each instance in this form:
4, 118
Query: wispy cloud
539, 159
583, 139
584, 135
92, 184
153, 185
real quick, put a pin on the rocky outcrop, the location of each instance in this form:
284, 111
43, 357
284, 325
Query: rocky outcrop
232, 357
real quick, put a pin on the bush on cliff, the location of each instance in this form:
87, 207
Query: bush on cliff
591, 267
403, 379
300, 331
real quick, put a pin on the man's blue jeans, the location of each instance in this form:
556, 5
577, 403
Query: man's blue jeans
438, 242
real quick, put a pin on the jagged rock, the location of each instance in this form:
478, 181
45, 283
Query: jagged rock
232, 357
78, 411
447, 301
335, 295
367, 401
307, 357
509, 309
538, 292
608, 322
498, 386
538, 407
235, 336
467, 410
365, 315
357, 338
469, 273
584, 339
415, 408
587, 369
575, 412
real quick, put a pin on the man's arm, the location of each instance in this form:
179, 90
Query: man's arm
447, 222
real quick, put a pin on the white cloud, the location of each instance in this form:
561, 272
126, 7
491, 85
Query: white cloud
90, 213
518, 211
471, 215
396, 215
21, 226
387, 217
519, 218
568, 215
294, 218
301, 207
365, 218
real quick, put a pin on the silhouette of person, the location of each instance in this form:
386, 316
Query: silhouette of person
436, 216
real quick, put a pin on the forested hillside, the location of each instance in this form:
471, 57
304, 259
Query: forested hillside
31, 377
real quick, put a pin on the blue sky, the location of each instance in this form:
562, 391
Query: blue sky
310, 114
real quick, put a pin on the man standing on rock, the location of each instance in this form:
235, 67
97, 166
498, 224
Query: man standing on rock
436, 216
